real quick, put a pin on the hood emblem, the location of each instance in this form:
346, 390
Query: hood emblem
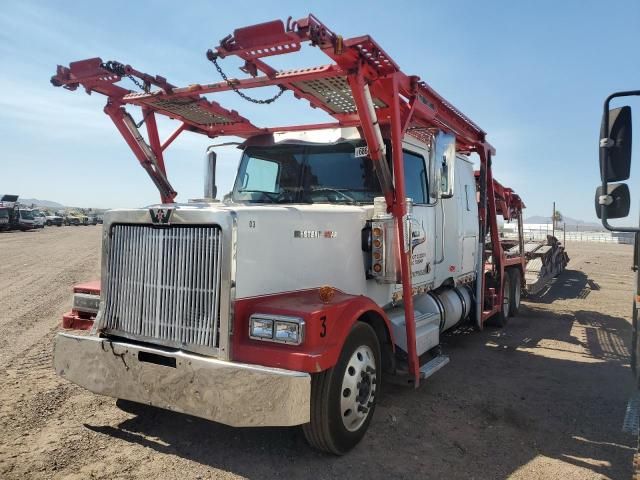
160, 216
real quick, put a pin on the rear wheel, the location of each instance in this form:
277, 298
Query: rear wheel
501, 318
516, 291
344, 397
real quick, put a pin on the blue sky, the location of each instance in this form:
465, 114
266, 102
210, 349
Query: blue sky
531, 74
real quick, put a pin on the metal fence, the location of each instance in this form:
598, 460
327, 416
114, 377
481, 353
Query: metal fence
570, 233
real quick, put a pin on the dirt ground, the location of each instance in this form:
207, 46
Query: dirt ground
543, 398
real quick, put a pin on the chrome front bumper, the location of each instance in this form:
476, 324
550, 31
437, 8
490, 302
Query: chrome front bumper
235, 394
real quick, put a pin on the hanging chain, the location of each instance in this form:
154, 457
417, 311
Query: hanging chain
212, 58
118, 69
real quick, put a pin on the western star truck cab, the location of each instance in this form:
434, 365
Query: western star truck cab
344, 251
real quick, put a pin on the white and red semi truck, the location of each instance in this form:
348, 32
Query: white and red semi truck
343, 253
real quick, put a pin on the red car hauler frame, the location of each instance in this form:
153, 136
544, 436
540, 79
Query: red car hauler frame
363, 87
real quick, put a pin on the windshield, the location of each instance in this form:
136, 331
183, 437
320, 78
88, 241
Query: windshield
305, 174
26, 214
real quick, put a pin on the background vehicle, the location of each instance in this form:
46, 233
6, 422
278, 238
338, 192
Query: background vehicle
56, 220
4, 219
39, 218
26, 220
73, 219
612, 201
344, 252
10, 204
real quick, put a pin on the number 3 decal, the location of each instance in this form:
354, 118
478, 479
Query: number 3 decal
323, 328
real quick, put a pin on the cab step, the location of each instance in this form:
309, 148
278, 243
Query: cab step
433, 365
402, 377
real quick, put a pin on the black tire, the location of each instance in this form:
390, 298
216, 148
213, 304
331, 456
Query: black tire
516, 291
327, 430
501, 318
48, 223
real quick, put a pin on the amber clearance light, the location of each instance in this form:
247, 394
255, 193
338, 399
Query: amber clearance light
326, 293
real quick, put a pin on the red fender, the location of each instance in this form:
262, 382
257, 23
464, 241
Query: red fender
327, 325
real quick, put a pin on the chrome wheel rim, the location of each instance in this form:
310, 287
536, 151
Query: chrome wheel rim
359, 386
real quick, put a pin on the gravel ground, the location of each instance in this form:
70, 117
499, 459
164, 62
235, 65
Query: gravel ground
543, 398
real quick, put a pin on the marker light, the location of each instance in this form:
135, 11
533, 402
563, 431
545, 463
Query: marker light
85, 302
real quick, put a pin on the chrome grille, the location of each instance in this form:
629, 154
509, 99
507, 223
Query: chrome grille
163, 284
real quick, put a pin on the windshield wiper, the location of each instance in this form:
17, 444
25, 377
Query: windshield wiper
339, 191
284, 196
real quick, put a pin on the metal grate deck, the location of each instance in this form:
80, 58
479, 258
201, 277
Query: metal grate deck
190, 110
334, 93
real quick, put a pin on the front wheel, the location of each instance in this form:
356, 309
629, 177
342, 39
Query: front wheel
344, 397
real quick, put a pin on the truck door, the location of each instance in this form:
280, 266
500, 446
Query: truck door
423, 218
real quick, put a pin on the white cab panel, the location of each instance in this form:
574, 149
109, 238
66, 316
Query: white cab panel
296, 247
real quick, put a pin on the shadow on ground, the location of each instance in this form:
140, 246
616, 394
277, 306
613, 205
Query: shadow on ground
569, 285
508, 397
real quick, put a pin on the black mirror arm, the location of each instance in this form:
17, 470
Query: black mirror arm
605, 143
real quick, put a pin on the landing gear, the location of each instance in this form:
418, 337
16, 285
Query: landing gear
344, 397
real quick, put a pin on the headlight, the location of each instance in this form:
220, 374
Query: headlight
261, 328
276, 328
84, 302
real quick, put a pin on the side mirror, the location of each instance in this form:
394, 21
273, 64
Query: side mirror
210, 188
616, 201
442, 158
615, 145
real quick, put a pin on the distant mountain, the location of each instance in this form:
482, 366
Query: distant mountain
40, 203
